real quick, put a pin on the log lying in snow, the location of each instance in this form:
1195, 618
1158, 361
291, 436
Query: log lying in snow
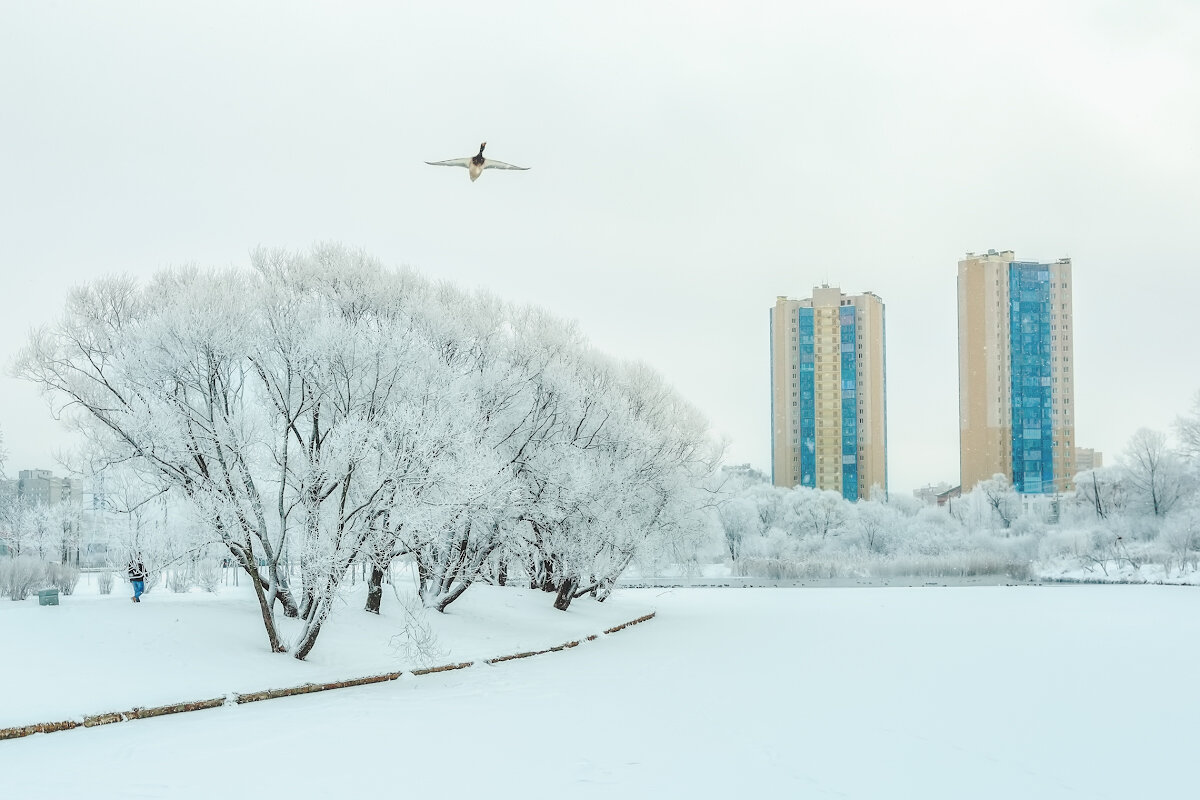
158, 711
307, 688
529, 653
443, 668
631, 622
38, 727
92, 720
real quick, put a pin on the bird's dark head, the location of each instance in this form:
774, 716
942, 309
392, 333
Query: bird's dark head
481, 146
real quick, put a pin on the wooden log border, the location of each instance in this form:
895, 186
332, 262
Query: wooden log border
240, 698
307, 688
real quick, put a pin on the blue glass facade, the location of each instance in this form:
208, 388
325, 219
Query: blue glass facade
849, 389
1030, 348
808, 400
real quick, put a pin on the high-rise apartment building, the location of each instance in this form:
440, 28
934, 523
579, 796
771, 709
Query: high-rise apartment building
828, 407
1015, 372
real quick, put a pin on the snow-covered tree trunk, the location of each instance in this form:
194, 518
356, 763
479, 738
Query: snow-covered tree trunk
374, 587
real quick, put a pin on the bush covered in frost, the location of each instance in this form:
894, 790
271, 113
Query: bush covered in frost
208, 574
64, 577
178, 580
20, 576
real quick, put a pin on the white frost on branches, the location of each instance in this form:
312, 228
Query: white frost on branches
320, 410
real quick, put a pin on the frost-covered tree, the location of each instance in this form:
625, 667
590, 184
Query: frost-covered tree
461, 524
258, 396
739, 520
876, 524
140, 519
1180, 535
1001, 498
816, 513
158, 378
645, 478
1187, 426
48, 532
358, 366
616, 466
769, 500
735, 510
1102, 490
319, 411
14, 533
1156, 477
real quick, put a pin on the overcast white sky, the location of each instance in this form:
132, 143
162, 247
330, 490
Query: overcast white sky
690, 161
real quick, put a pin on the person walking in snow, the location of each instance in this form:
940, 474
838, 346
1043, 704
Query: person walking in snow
137, 576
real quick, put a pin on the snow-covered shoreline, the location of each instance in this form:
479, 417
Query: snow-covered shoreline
1072, 570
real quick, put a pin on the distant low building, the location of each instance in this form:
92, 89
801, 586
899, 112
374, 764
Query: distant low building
42, 486
745, 471
952, 493
1086, 458
929, 493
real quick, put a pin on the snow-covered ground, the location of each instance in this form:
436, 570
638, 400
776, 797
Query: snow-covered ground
94, 654
1005, 692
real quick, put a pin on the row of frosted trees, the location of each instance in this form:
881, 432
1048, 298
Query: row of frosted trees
1142, 511
319, 410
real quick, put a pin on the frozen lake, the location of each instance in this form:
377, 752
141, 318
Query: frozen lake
982, 692
733, 582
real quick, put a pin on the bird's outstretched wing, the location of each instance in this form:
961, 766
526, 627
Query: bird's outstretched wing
490, 164
453, 162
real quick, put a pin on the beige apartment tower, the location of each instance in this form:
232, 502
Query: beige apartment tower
828, 393
1015, 372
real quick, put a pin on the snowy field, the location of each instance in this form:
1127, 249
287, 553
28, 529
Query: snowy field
1005, 692
94, 654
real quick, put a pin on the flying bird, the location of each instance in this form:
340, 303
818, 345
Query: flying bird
476, 164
